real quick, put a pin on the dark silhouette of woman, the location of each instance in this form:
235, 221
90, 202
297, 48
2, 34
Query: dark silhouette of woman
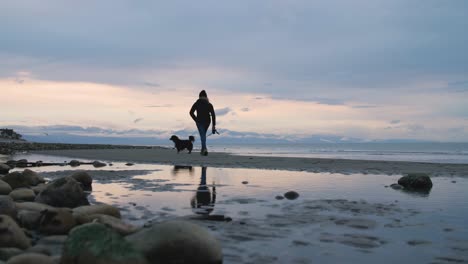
204, 200
205, 113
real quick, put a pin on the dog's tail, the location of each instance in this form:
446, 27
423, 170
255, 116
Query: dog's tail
192, 138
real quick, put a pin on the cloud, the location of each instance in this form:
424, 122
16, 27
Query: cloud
415, 127
393, 122
276, 40
223, 111
272, 50
245, 109
458, 86
326, 101
159, 106
151, 84
364, 106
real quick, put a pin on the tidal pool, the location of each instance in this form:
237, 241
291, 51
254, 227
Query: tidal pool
337, 218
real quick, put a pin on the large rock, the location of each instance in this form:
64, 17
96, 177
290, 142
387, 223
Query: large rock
416, 181
112, 222
11, 235
84, 178
39, 188
63, 192
33, 177
7, 206
7, 253
26, 178
11, 163
74, 163
96, 209
16, 180
38, 249
33, 206
22, 163
23, 194
31, 258
58, 221
46, 219
4, 168
29, 219
98, 164
177, 242
96, 244
53, 244
5, 188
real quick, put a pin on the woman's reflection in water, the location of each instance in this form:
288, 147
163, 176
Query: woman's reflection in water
204, 200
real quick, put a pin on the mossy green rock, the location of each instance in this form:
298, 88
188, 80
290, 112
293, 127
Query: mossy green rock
112, 222
95, 243
416, 181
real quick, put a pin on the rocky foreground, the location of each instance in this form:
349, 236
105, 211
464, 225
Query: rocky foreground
53, 222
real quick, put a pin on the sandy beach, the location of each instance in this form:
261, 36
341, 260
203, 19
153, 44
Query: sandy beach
225, 160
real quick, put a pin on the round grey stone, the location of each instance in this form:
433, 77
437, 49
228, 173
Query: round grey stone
5, 188
177, 242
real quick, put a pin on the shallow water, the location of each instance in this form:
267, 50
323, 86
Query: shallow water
336, 219
421, 152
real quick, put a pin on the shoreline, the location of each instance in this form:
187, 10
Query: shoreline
225, 160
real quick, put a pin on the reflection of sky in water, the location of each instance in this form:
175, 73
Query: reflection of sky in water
165, 190
173, 187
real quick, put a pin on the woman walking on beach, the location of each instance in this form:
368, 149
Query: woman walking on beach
205, 113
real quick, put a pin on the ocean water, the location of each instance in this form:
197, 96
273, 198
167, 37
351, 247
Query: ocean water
418, 152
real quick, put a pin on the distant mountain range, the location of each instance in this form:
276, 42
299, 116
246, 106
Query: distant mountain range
96, 135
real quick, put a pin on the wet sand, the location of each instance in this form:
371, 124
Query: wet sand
225, 160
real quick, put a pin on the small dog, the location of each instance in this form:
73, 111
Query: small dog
183, 144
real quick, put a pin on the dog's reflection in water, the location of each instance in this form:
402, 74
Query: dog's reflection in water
180, 168
204, 200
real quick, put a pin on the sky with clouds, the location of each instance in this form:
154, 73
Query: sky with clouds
366, 68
